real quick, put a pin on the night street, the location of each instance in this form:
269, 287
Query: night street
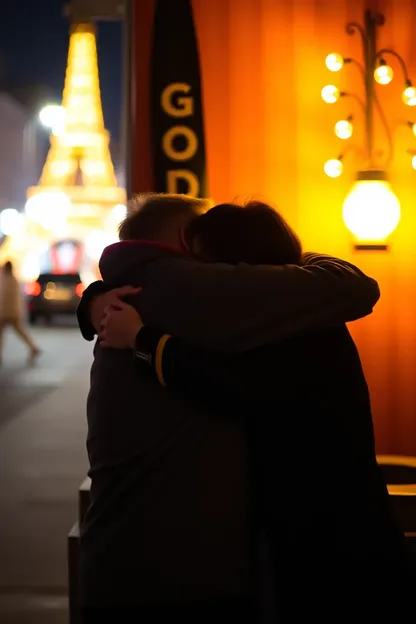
252, 167
42, 463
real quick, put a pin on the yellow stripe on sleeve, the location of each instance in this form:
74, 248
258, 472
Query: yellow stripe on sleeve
159, 358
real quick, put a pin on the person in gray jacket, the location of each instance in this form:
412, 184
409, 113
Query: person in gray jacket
167, 531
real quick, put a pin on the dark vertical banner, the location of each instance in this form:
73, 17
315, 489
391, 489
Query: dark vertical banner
177, 127
140, 17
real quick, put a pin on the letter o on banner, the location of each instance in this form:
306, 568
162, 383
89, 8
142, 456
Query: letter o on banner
170, 150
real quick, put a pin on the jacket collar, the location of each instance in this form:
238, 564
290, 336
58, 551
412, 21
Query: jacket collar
142, 243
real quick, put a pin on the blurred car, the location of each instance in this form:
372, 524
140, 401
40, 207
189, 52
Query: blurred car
53, 294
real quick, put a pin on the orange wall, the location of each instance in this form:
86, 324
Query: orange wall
269, 133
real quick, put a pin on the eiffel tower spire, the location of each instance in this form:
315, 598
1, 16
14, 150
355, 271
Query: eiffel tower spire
79, 161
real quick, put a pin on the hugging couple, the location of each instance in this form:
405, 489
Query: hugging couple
230, 435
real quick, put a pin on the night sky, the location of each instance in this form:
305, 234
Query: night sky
34, 45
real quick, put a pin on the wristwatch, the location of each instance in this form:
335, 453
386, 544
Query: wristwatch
145, 345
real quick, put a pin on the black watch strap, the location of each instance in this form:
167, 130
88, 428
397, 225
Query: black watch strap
145, 345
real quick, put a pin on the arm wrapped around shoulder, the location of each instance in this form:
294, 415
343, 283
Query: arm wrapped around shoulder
233, 308
365, 291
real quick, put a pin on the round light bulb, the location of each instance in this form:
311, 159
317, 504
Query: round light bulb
371, 210
330, 94
334, 62
414, 162
333, 168
343, 129
53, 117
409, 96
383, 74
11, 221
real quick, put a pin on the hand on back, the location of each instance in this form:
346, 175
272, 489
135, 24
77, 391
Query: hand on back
113, 298
119, 326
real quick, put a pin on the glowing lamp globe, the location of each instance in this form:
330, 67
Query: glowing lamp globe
334, 62
344, 129
333, 168
409, 96
414, 162
371, 210
330, 94
383, 74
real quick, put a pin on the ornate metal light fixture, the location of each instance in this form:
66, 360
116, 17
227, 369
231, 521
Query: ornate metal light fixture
371, 210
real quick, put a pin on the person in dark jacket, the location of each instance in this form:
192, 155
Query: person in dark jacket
168, 525
311, 436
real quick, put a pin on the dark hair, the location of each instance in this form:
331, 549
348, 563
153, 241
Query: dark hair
150, 214
8, 267
253, 233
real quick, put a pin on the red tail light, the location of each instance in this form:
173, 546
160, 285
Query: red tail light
79, 289
33, 288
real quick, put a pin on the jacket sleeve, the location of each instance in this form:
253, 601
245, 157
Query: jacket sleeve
83, 314
232, 309
182, 367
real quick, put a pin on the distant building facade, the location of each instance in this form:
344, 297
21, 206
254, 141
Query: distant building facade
21, 151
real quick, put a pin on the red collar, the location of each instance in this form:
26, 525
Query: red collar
141, 243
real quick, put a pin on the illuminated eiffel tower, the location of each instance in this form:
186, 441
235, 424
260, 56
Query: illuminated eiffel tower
79, 161
77, 197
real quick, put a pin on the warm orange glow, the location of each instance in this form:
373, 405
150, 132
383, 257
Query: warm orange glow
79, 289
33, 289
268, 133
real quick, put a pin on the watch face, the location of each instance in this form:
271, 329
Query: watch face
144, 357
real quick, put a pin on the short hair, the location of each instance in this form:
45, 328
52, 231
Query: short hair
254, 233
151, 214
8, 267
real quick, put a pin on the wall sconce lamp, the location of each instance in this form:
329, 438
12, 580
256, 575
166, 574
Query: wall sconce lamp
371, 210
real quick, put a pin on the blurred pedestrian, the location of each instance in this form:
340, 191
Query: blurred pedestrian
11, 309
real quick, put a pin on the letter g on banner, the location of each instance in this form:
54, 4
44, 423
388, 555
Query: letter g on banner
183, 106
